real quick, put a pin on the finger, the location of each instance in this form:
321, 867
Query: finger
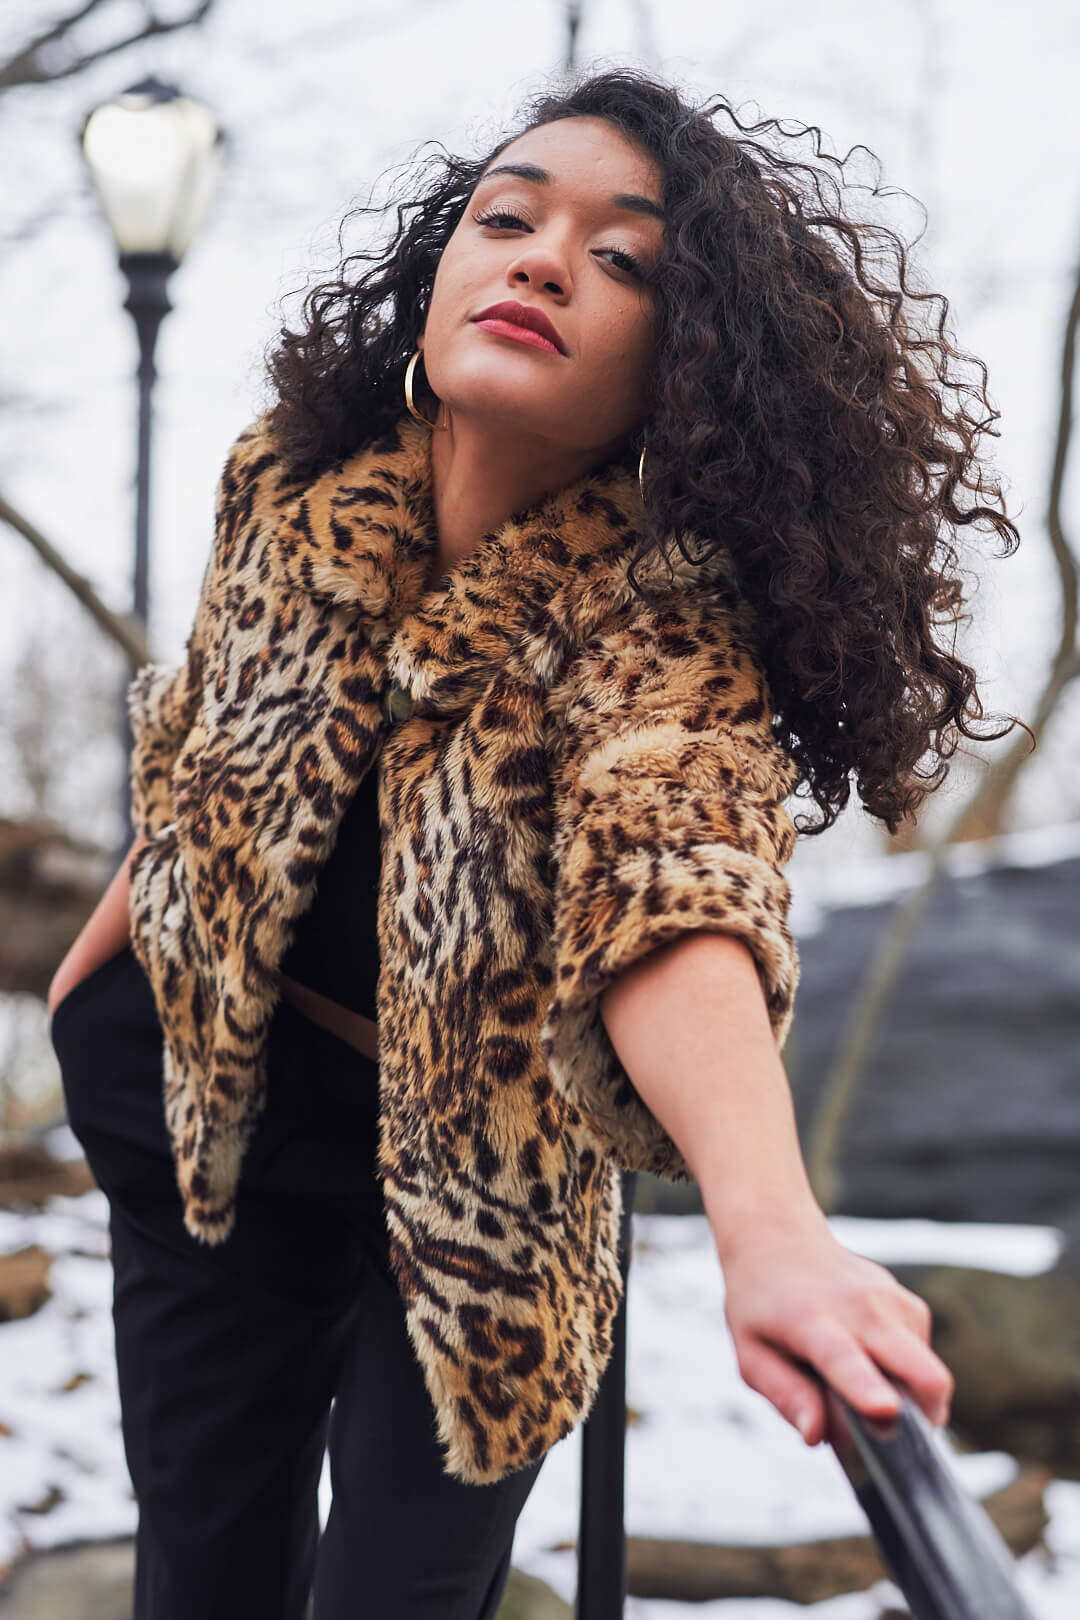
847, 1368
906, 1355
795, 1396
917, 1313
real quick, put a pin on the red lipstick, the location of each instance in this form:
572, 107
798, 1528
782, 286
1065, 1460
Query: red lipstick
525, 323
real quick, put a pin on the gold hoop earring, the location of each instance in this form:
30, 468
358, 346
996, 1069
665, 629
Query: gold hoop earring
641, 473
410, 402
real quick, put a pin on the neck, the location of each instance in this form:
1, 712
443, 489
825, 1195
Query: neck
481, 475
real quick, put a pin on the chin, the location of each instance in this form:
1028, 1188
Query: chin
505, 411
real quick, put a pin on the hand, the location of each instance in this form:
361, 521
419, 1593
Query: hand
106, 932
794, 1294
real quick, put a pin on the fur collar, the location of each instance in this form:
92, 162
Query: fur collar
532, 590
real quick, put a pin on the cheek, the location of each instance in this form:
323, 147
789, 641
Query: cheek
630, 351
445, 287
456, 292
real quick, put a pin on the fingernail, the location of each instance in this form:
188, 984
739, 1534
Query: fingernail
804, 1422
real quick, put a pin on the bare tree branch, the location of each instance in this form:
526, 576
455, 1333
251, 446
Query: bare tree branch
122, 628
31, 64
44, 215
980, 817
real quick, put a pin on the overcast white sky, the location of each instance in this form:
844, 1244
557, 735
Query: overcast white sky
967, 104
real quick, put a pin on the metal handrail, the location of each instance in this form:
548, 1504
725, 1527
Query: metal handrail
940, 1546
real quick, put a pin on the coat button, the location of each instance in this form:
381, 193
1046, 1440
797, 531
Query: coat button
397, 703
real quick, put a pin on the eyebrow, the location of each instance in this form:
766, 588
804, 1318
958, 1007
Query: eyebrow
632, 201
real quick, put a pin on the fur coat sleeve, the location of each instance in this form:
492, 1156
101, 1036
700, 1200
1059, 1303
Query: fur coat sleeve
669, 816
164, 700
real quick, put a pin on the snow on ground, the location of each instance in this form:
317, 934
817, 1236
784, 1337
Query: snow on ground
709, 1459
54, 1438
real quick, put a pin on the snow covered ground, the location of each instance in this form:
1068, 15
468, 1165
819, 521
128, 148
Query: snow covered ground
710, 1459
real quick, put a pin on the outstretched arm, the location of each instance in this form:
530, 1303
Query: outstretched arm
675, 981
690, 1026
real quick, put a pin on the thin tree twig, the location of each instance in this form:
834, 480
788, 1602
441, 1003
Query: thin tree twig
123, 629
29, 64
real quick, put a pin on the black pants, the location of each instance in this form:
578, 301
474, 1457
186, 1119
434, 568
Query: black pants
229, 1357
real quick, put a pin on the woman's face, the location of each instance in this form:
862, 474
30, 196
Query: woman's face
566, 251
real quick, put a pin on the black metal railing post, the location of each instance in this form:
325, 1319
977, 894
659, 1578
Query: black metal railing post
601, 1572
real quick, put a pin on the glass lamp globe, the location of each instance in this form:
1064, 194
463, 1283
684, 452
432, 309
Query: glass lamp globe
153, 156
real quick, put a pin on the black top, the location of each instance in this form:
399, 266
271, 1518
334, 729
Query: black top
335, 949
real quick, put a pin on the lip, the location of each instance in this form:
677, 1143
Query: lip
526, 317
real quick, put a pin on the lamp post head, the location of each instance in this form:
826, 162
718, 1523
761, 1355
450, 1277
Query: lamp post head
153, 156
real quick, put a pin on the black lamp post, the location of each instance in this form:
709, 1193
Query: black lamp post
153, 156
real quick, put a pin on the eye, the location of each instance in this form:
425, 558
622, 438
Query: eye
629, 262
496, 216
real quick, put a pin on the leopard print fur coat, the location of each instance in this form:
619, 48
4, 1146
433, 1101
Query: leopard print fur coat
579, 779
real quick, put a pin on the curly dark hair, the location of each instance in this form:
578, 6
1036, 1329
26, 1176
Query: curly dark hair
801, 418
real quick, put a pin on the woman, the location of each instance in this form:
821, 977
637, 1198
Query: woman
451, 614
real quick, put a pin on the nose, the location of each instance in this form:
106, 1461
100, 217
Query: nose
540, 263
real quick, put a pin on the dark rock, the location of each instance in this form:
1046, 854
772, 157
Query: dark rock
529, 1598
1013, 1346
806, 1571
92, 1582
969, 1108
30, 1176
24, 1282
